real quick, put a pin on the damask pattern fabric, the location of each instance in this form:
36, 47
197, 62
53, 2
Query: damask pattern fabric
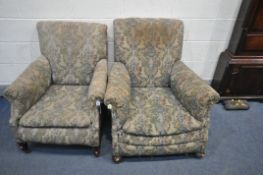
148, 48
156, 112
61, 107
118, 89
194, 93
162, 140
67, 136
98, 83
53, 101
28, 88
167, 109
131, 150
73, 49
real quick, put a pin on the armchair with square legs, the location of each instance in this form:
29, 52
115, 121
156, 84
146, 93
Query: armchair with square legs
158, 105
56, 100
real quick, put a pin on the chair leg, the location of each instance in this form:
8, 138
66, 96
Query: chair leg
200, 155
96, 151
116, 159
23, 146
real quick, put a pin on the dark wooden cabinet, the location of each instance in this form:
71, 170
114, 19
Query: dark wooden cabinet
239, 71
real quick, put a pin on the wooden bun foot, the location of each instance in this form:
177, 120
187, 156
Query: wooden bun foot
96, 151
23, 146
116, 159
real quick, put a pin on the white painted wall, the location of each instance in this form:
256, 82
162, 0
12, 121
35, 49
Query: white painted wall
208, 26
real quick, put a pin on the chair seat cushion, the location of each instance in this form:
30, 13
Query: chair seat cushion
157, 112
62, 106
194, 136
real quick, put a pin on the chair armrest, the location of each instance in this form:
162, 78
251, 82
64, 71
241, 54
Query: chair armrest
119, 86
194, 93
98, 83
28, 87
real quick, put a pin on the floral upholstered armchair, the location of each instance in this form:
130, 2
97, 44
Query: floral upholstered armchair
56, 100
158, 105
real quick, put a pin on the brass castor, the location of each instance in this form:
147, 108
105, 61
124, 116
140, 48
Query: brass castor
116, 159
96, 151
200, 155
23, 147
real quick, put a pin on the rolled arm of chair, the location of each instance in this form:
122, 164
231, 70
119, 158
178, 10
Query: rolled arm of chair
119, 86
98, 83
194, 93
28, 87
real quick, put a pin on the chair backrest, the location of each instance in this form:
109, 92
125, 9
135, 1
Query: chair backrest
148, 48
73, 49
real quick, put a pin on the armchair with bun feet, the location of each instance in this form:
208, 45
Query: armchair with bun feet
56, 100
158, 105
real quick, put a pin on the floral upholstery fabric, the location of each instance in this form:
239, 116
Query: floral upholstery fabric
148, 48
98, 83
73, 49
131, 150
156, 112
194, 93
118, 90
66, 136
28, 88
186, 137
166, 108
54, 99
62, 106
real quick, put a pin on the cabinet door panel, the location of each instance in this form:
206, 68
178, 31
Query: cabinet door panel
248, 80
254, 43
258, 22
